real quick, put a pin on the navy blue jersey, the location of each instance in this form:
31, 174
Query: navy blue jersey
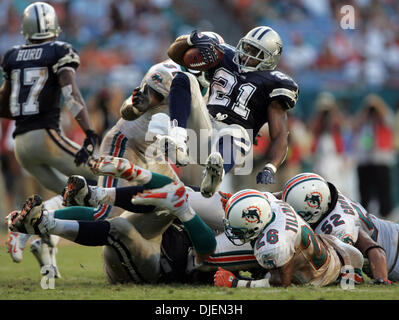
35, 91
245, 97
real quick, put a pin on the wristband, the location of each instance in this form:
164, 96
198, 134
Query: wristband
271, 167
189, 41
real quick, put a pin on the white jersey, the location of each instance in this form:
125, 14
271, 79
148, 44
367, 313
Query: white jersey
348, 217
159, 77
288, 237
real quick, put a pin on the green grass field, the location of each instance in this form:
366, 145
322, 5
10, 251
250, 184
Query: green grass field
83, 279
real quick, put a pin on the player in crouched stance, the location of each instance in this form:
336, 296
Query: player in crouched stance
138, 247
284, 244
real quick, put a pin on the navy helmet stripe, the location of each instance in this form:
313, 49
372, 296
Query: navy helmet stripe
44, 18
255, 32
38, 20
263, 33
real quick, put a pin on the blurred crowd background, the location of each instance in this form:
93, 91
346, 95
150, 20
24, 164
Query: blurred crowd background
345, 125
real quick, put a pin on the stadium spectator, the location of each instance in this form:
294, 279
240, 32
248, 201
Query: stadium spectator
374, 149
329, 150
300, 55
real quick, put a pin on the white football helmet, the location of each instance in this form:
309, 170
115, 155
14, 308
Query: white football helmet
202, 75
247, 212
39, 21
269, 45
308, 194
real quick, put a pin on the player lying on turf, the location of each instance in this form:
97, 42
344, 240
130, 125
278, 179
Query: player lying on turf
284, 244
211, 212
131, 244
138, 247
246, 92
317, 251
328, 211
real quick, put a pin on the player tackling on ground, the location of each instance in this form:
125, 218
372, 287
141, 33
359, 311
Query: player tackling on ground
329, 211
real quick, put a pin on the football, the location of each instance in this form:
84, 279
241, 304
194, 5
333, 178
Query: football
193, 60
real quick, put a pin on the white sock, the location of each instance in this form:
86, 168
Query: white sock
67, 229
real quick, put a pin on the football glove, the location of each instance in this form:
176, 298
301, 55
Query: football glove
266, 176
140, 99
89, 143
206, 45
224, 278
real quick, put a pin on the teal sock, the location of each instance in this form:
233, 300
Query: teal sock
202, 237
75, 213
157, 181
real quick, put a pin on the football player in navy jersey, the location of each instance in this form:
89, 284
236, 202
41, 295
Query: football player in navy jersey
36, 76
245, 93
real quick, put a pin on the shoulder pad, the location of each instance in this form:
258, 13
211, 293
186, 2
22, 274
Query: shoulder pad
284, 88
66, 56
275, 246
4, 61
8, 52
276, 250
62, 44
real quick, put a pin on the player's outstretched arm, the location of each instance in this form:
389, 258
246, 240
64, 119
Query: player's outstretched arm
277, 151
376, 255
73, 98
279, 277
75, 103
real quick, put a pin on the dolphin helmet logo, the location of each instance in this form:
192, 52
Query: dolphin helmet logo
314, 200
252, 214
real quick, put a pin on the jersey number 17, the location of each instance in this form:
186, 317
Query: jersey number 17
33, 77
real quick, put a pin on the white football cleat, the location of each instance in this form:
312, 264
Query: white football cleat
16, 244
45, 256
212, 175
32, 219
79, 193
174, 146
